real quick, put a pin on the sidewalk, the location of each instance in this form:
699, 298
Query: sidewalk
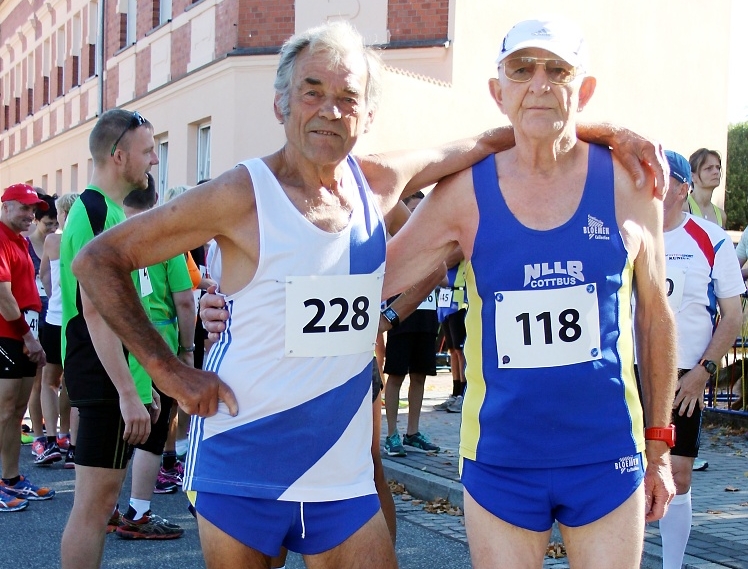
719, 537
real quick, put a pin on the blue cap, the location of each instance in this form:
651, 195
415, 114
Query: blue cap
680, 169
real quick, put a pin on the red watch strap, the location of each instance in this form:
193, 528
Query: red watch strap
665, 434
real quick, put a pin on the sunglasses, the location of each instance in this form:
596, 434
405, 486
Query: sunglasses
136, 120
522, 69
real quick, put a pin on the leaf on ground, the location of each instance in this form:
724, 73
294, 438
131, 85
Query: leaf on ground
431, 453
713, 512
555, 550
447, 462
744, 504
396, 488
442, 506
731, 489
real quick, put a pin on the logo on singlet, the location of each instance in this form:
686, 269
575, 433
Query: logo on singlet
596, 229
627, 464
559, 273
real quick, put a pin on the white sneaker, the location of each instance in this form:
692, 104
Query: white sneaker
456, 405
444, 405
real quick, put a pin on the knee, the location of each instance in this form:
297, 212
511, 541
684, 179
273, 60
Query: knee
682, 481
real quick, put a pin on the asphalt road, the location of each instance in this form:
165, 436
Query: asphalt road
35, 533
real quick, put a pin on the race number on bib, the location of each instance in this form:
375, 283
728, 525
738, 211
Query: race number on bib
445, 297
332, 315
428, 303
676, 281
547, 328
145, 282
32, 319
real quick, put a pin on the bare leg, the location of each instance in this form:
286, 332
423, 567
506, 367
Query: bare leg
369, 548
386, 502
221, 551
415, 400
96, 492
392, 401
280, 560
50, 389
35, 407
145, 466
65, 408
496, 544
14, 396
615, 541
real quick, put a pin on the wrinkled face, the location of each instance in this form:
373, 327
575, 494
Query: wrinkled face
47, 225
675, 196
139, 157
327, 108
710, 173
18, 216
539, 107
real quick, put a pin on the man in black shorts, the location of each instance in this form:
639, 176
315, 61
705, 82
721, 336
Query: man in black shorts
115, 410
20, 351
410, 350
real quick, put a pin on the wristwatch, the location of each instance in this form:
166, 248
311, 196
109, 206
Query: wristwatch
391, 316
709, 365
666, 434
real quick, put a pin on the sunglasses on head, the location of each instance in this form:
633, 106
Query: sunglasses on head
522, 69
136, 120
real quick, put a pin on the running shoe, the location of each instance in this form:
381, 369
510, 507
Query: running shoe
420, 441
10, 503
150, 526
115, 520
394, 446
69, 459
26, 490
50, 455
26, 439
164, 486
445, 404
700, 464
456, 407
174, 475
63, 441
38, 446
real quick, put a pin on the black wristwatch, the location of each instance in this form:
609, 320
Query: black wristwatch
391, 316
709, 365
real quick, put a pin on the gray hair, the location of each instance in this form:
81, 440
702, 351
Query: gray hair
338, 39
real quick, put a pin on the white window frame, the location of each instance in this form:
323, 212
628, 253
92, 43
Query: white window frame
132, 22
162, 183
203, 152
164, 11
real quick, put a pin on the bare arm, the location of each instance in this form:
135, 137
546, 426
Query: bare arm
109, 349
643, 159
52, 242
439, 223
407, 303
103, 268
640, 220
184, 302
690, 387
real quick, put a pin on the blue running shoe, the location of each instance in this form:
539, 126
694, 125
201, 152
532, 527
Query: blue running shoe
394, 446
25, 490
10, 503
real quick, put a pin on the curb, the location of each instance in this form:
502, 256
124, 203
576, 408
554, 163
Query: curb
423, 485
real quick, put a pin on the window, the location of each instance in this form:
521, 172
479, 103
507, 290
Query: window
132, 20
60, 60
164, 11
203, 152
162, 184
46, 67
75, 50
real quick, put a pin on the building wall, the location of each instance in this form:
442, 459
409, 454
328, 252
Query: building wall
179, 76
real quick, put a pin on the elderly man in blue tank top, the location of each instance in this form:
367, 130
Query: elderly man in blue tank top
556, 238
302, 239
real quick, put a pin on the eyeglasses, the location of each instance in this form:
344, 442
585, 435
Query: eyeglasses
522, 69
136, 120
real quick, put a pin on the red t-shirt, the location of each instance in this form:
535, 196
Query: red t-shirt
17, 268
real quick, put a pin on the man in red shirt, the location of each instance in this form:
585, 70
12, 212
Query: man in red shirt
20, 350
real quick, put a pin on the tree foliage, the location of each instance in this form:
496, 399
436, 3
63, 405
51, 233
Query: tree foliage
736, 194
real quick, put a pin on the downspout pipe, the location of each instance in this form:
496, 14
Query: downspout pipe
100, 48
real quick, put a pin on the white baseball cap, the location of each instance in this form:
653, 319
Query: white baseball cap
560, 37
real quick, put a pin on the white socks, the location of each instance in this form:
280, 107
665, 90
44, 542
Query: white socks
675, 528
181, 446
140, 507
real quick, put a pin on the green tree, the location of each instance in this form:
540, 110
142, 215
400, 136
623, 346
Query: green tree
736, 187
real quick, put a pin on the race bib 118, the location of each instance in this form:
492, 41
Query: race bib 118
547, 328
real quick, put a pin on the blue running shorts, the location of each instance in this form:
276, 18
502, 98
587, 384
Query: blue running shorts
307, 528
532, 498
